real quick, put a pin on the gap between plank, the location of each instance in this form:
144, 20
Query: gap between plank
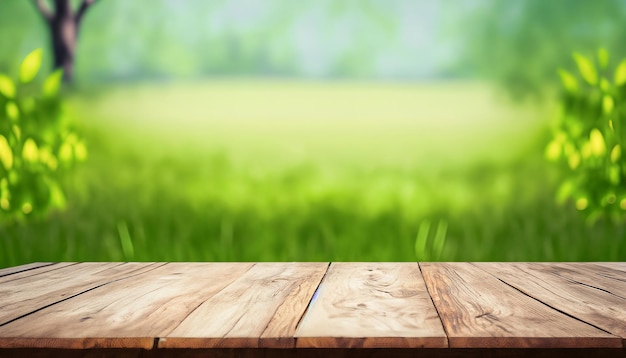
311, 301
77, 294
165, 334
43, 264
39, 273
434, 305
546, 304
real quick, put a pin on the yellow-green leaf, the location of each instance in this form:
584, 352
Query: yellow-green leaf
7, 87
603, 57
53, 83
80, 151
586, 68
596, 141
569, 81
620, 73
65, 152
12, 111
569, 149
605, 85
30, 152
553, 150
30, 66
565, 190
616, 153
607, 104
614, 176
17, 131
56, 196
6, 155
573, 161
582, 203
27, 208
4, 203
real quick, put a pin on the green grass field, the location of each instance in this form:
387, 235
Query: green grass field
262, 170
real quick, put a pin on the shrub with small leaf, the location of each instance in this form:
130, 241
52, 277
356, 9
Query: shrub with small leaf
37, 143
588, 137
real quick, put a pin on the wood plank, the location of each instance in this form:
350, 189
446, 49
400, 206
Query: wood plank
593, 294
281, 329
620, 266
26, 267
261, 308
315, 353
23, 295
37, 271
480, 311
128, 313
604, 277
372, 305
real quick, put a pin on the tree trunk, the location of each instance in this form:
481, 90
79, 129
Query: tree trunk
64, 31
64, 24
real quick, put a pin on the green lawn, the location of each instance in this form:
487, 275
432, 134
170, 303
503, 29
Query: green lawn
245, 170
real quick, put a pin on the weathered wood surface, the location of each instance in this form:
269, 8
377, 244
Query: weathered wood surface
480, 311
372, 305
28, 292
32, 266
283, 307
592, 294
127, 313
263, 304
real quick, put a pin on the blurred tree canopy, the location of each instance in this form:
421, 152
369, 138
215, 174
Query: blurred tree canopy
522, 43
124, 40
518, 43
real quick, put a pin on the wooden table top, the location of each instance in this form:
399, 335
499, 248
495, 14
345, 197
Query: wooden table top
313, 305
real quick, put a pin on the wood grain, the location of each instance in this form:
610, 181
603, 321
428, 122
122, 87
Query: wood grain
26, 292
595, 296
26, 267
261, 308
372, 305
281, 329
290, 309
20, 275
480, 311
315, 353
621, 266
128, 313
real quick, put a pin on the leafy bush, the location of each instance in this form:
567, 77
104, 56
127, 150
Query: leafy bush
589, 135
37, 143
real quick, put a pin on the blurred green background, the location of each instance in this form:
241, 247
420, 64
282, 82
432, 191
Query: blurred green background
328, 130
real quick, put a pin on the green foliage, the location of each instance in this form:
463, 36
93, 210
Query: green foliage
164, 194
589, 136
30, 66
37, 143
519, 43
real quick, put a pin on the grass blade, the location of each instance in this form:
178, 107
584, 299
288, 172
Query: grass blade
440, 239
125, 240
421, 241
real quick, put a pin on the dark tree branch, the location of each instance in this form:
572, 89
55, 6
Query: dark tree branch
82, 9
44, 10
